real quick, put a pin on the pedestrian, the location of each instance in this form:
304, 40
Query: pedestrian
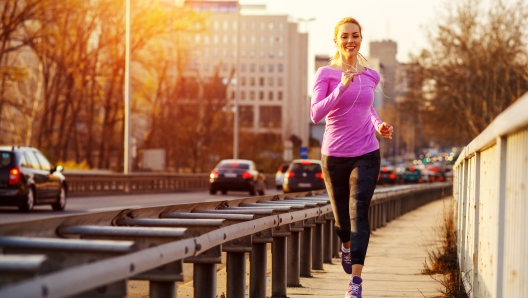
343, 93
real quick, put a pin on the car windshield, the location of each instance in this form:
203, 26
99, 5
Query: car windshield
310, 168
5, 159
234, 165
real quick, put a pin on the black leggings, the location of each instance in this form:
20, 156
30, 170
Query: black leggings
350, 183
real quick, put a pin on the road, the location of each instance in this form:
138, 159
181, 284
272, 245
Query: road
107, 203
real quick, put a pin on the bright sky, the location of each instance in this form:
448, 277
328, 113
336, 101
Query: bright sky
403, 21
400, 20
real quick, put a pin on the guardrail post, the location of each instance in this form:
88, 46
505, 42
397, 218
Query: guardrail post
236, 274
204, 278
306, 248
279, 260
279, 269
257, 271
317, 244
327, 243
336, 242
294, 256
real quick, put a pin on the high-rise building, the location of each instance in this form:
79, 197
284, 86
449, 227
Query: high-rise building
386, 51
272, 66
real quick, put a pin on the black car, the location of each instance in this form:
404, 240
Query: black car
27, 179
303, 175
235, 175
388, 175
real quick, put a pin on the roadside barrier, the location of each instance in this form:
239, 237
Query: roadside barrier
490, 207
95, 254
98, 184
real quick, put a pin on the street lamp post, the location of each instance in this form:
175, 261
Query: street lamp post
237, 88
127, 161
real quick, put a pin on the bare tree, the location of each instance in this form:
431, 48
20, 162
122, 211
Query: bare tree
475, 67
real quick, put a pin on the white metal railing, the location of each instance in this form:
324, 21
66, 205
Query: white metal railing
491, 204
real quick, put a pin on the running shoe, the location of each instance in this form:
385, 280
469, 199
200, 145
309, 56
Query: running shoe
354, 288
346, 262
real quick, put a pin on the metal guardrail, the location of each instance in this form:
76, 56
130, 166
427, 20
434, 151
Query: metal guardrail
97, 184
109, 248
490, 195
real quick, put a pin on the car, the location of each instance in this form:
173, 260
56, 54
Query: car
27, 179
388, 175
303, 175
235, 175
279, 176
412, 175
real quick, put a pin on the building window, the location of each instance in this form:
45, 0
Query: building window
244, 25
197, 38
225, 53
252, 39
262, 68
261, 95
270, 95
243, 95
215, 39
271, 39
225, 39
243, 53
234, 25
246, 115
251, 95
280, 39
252, 67
233, 94
233, 53
280, 53
262, 53
261, 81
279, 95
251, 81
234, 39
281, 26
216, 25
206, 39
280, 81
226, 25
270, 81
243, 81
271, 54
243, 39
206, 52
279, 67
270, 68
270, 26
215, 53
252, 54
262, 26
253, 25
243, 67
262, 39
270, 116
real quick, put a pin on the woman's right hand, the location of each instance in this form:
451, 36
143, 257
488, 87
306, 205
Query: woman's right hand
348, 76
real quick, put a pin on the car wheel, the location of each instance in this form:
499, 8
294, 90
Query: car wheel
262, 193
252, 192
212, 191
60, 205
30, 201
224, 192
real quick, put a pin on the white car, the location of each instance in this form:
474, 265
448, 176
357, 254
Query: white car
279, 176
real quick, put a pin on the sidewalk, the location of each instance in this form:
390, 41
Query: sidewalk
393, 266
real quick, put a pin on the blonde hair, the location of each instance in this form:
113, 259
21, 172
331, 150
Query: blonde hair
336, 30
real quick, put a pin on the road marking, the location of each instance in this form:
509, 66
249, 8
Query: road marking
114, 208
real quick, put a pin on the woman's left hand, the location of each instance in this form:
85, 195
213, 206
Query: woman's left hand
385, 130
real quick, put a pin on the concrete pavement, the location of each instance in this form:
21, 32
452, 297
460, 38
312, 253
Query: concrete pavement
393, 267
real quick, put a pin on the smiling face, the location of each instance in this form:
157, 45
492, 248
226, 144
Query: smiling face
348, 39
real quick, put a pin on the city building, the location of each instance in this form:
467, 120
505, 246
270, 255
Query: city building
270, 63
